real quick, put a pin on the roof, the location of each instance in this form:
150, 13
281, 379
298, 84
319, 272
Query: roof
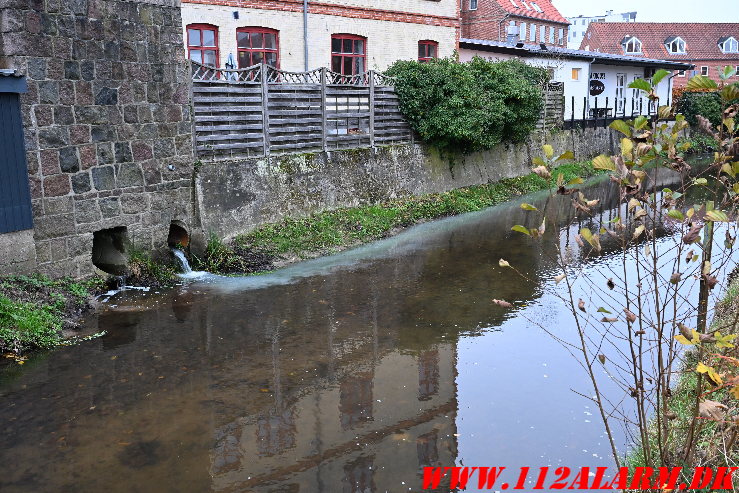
526, 8
701, 39
531, 50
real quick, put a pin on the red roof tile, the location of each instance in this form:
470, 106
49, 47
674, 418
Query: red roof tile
527, 8
701, 39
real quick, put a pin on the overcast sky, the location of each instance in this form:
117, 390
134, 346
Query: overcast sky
656, 10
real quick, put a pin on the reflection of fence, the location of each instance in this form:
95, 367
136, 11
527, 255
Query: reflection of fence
595, 112
260, 110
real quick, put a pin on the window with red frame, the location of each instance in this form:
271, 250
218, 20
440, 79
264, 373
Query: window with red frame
427, 50
258, 45
348, 54
202, 44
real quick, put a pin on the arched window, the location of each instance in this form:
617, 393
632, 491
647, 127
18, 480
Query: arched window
348, 54
258, 45
675, 45
427, 50
729, 45
631, 45
202, 44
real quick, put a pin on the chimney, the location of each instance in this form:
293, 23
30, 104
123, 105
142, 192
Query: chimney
512, 34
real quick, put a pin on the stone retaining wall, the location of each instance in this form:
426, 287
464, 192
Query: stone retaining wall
107, 122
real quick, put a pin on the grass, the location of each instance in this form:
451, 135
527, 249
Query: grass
35, 309
330, 231
711, 437
145, 271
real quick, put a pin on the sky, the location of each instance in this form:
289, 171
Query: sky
656, 10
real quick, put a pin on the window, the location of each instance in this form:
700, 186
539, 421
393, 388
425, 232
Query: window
427, 50
576, 73
737, 70
536, 7
514, 3
551, 35
729, 45
561, 36
543, 34
532, 33
257, 45
348, 54
675, 45
631, 45
704, 70
202, 44
473, 4
526, 5
522, 32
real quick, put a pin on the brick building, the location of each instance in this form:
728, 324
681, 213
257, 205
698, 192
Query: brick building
532, 22
708, 46
349, 36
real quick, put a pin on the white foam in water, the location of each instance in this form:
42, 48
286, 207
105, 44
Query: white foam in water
187, 272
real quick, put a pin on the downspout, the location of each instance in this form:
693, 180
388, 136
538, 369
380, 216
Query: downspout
305, 34
500, 28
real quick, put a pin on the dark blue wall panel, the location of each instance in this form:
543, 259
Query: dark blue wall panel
15, 196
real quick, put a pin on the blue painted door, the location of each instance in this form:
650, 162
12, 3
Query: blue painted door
15, 196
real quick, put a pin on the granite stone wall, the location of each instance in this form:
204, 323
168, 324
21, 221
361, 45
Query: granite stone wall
107, 122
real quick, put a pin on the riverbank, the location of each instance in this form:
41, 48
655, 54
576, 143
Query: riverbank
715, 442
279, 244
37, 312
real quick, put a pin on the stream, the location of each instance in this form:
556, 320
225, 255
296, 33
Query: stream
347, 373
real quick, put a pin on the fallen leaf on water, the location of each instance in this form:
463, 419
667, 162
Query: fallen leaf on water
502, 303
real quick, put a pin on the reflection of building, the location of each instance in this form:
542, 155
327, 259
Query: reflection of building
386, 417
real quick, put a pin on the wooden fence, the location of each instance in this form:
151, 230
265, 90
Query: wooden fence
260, 110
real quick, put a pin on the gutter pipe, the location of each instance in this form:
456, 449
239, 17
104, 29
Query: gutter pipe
305, 34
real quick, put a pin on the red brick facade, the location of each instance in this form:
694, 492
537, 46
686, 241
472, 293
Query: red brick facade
492, 18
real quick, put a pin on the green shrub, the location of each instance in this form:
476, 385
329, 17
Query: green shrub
706, 104
25, 325
469, 106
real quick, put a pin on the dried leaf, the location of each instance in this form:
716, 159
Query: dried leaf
502, 303
712, 410
609, 319
543, 172
694, 233
675, 277
581, 304
503, 263
602, 359
630, 316
558, 278
610, 284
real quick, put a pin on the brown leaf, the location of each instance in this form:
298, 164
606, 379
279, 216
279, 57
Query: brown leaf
711, 281
609, 320
578, 240
543, 172
675, 277
502, 303
581, 304
566, 191
712, 410
610, 284
640, 332
630, 316
602, 359
692, 235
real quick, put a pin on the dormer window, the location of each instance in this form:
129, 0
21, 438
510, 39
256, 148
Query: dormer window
536, 7
729, 44
526, 5
675, 45
631, 45
513, 2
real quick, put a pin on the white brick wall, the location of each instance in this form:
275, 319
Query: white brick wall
386, 41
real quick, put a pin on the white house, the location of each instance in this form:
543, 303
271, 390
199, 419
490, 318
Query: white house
595, 84
579, 25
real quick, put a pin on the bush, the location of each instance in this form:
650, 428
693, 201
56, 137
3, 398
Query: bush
469, 106
705, 103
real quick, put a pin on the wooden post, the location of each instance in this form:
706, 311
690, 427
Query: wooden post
372, 108
324, 124
265, 108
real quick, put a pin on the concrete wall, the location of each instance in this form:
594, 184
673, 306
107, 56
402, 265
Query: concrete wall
235, 197
107, 125
390, 36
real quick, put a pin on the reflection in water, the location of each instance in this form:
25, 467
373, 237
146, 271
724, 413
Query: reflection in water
344, 374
